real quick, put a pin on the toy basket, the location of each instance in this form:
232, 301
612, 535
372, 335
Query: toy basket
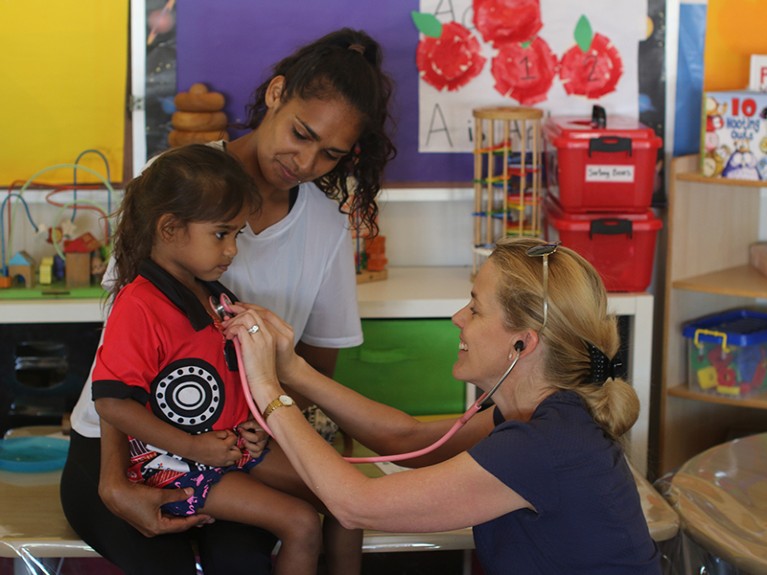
727, 353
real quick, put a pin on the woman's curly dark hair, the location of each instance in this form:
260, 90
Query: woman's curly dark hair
344, 63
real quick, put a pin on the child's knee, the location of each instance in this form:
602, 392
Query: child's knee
306, 529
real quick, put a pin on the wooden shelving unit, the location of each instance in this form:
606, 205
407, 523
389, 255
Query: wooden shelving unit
711, 223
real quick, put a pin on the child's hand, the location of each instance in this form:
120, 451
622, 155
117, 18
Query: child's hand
217, 448
252, 437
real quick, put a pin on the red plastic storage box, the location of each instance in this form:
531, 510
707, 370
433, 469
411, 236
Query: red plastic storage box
620, 246
604, 166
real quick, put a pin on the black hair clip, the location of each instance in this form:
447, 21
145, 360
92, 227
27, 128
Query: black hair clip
602, 368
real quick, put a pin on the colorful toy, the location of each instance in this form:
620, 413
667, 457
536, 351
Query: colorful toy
65, 227
507, 176
46, 271
21, 269
78, 259
370, 259
728, 353
199, 117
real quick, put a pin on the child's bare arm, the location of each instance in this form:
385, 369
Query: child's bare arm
216, 448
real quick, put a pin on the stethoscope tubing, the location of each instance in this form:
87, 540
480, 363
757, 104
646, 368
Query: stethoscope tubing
224, 310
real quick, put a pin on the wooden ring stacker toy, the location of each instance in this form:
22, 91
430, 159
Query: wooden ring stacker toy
199, 99
181, 138
199, 121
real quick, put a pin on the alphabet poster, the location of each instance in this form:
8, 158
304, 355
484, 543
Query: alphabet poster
557, 55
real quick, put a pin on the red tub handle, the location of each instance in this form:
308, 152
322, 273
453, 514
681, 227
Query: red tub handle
611, 227
610, 144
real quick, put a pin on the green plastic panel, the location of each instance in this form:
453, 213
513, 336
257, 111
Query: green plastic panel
406, 363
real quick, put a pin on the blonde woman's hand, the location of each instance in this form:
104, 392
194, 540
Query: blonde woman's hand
257, 352
282, 334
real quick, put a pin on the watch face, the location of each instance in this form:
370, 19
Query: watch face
286, 400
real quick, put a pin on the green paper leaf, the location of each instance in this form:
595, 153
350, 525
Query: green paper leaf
427, 24
583, 33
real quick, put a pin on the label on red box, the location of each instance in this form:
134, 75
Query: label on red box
734, 135
609, 173
608, 168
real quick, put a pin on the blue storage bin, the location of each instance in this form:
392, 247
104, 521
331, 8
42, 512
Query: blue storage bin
727, 353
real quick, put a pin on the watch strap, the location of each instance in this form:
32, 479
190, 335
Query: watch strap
281, 401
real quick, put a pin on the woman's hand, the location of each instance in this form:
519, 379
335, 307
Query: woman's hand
257, 352
136, 503
140, 505
282, 334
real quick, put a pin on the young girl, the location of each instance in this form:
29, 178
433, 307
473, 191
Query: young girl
164, 374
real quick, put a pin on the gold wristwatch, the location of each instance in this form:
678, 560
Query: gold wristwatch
281, 401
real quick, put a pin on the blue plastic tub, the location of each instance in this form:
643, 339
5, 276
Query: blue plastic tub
727, 353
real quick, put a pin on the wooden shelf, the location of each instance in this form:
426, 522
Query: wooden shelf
758, 401
743, 281
700, 179
711, 224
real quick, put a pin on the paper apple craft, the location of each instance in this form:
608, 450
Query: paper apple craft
525, 71
507, 21
593, 67
448, 55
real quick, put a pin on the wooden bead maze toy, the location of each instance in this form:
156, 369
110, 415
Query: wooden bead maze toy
507, 176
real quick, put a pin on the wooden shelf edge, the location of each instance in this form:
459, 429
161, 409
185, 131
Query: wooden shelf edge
744, 281
699, 178
756, 401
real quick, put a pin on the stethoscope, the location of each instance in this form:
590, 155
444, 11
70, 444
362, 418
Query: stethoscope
224, 310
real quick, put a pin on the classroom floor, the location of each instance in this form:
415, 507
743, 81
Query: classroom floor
410, 563
414, 563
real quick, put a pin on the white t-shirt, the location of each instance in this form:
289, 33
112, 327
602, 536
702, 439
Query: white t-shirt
301, 268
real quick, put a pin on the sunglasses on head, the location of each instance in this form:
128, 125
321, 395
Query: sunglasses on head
544, 251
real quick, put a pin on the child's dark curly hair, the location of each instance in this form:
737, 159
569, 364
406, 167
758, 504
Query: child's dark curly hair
194, 183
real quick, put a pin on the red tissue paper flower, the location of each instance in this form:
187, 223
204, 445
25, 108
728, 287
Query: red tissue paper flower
525, 72
592, 67
450, 60
505, 21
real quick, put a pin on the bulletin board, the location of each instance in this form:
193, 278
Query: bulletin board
64, 69
230, 45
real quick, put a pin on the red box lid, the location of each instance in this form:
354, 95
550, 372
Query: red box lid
577, 131
581, 222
